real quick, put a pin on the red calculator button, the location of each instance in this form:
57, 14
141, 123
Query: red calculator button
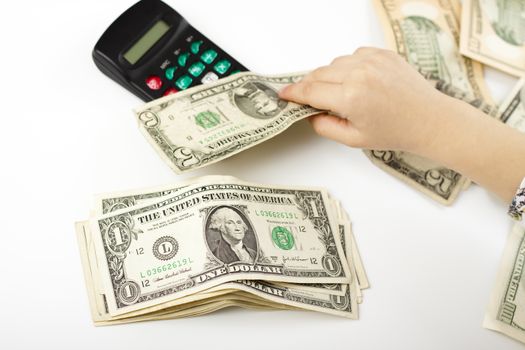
170, 91
154, 82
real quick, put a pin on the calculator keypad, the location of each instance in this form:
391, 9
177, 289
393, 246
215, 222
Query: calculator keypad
222, 66
209, 77
208, 56
194, 63
196, 69
184, 82
170, 91
183, 58
154, 82
170, 72
196, 46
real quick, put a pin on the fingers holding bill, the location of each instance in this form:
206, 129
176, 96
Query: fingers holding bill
318, 94
335, 128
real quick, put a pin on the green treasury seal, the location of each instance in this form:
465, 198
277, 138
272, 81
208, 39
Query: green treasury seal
282, 237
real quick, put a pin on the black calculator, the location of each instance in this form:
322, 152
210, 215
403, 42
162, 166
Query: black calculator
153, 51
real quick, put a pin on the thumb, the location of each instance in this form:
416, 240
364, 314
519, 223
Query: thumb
335, 128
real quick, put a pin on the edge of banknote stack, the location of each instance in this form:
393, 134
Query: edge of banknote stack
506, 310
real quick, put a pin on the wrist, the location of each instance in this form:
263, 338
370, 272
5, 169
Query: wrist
444, 128
464, 139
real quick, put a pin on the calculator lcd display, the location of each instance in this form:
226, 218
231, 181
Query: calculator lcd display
146, 42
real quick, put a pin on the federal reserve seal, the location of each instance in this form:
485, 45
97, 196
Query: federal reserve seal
165, 248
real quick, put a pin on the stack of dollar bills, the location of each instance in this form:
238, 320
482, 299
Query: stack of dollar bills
214, 242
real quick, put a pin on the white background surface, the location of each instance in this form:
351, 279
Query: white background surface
68, 132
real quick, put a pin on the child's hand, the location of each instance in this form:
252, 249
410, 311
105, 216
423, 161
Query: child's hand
386, 104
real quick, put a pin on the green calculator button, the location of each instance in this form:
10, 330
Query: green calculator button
183, 58
208, 56
170, 72
196, 46
183, 82
196, 69
222, 66
234, 72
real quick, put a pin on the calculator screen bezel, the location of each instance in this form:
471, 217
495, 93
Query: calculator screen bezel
177, 25
146, 42
128, 28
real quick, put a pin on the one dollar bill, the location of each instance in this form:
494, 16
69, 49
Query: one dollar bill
212, 233
214, 121
331, 298
108, 202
